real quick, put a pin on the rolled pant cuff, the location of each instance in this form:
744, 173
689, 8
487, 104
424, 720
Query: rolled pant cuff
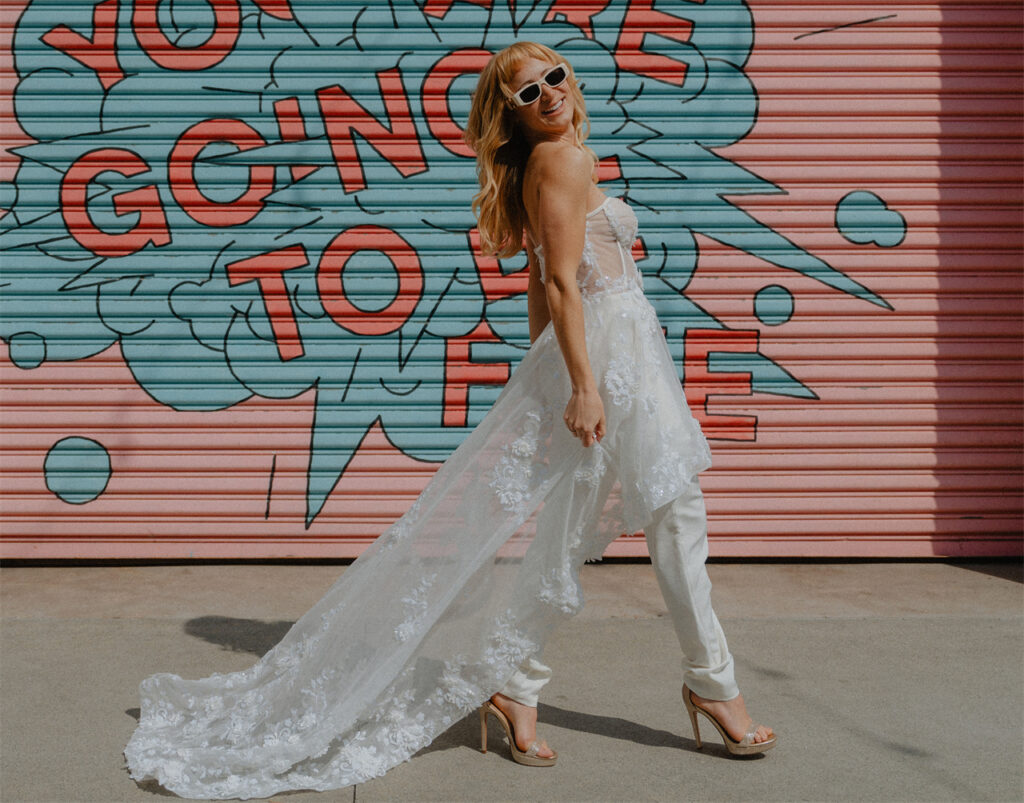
525, 684
712, 686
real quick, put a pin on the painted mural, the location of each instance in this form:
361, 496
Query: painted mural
270, 198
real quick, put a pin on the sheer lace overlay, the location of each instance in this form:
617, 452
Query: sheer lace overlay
606, 265
438, 612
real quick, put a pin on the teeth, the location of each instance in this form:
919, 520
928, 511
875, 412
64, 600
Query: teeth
555, 107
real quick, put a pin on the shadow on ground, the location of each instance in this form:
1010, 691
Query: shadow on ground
238, 635
1012, 570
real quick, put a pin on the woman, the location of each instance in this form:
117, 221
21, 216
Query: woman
557, 187
450, 608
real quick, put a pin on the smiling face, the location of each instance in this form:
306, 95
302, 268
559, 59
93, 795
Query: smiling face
550, 117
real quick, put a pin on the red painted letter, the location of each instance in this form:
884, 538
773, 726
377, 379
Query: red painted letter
438, 8
702, 383
578, 14
268, 269
496, 284
332, 292
183, 183
276, 8
435, 96
640, 20
152, 224
292, 128
99, 53
226, 26
460, 372
399, 144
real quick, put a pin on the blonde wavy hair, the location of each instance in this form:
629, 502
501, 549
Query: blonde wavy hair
501, 149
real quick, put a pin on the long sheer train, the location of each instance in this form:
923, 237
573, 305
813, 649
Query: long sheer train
438, 612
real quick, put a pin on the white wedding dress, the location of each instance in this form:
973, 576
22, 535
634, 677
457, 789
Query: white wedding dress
440, 610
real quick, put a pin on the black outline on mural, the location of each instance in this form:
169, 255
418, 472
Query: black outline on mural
407, 345
845, 25
106, 481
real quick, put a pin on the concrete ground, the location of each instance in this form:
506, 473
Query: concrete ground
884, 681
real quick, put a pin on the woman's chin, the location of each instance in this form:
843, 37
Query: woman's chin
556, 122
561, 116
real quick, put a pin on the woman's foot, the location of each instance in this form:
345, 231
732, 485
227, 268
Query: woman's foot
733, 716
524, 723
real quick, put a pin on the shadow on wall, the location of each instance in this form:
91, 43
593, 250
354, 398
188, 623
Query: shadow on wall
979, 372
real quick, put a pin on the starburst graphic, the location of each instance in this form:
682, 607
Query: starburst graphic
257, 197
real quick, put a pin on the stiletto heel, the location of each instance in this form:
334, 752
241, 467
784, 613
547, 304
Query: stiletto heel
693, 723
744, 747
526, 757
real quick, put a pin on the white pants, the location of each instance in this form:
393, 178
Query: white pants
677, 540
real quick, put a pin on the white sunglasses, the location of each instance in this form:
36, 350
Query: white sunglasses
531, 92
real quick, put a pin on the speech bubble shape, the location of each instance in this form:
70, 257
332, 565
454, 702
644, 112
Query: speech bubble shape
235, 237
863, 218
77, 470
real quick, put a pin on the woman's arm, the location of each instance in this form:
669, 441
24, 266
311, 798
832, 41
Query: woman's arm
564, 172
536, 302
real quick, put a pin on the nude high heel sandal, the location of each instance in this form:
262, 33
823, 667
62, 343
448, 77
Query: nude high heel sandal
744, 747
529, 756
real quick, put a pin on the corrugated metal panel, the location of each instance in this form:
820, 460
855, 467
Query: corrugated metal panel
830, 219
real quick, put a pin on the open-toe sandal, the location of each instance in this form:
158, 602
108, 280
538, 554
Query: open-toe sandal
528, 756
744, 747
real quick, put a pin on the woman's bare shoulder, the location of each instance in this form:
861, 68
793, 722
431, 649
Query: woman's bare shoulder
560, 163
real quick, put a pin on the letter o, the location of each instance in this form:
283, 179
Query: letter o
226, 26
183, 182
332, 293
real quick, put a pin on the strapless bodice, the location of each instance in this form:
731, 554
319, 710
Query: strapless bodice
606, 264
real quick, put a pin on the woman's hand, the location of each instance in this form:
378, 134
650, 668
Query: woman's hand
584, 415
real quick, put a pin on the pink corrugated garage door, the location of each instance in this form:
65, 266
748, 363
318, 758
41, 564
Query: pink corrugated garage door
267, 354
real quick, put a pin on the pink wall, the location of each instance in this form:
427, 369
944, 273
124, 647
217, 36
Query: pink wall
912, 448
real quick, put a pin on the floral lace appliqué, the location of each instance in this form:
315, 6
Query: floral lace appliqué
511, 475
400, 530
623, 380
625, 228
508, 644
415, 606
456, 688
560, 588
670, 474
